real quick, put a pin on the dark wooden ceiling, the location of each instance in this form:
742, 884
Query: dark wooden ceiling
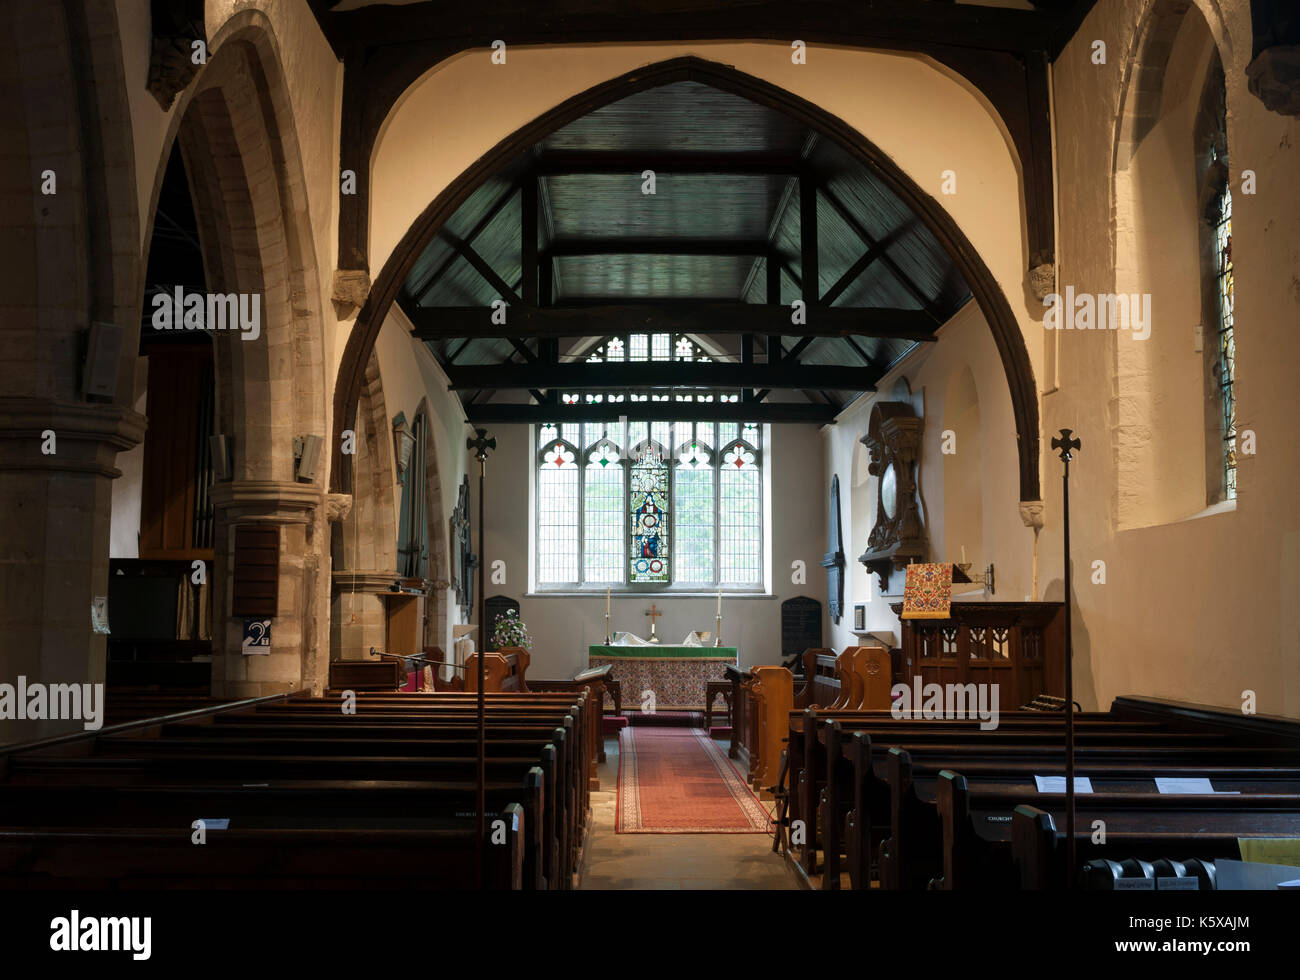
724, 226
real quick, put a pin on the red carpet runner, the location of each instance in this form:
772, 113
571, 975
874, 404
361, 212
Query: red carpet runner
677, 781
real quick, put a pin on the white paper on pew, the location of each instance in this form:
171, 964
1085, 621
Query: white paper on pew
1189, 785
1249, 876
216, 823
1056, 784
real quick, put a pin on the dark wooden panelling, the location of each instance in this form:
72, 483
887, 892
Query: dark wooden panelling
176, 384
256, 589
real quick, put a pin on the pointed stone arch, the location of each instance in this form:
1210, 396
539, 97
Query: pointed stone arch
235, 129
436, 622
364, 543
987, 292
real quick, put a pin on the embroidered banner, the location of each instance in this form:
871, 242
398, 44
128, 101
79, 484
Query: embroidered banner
927, 591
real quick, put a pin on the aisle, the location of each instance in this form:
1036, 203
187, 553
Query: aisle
675, 780
673, 860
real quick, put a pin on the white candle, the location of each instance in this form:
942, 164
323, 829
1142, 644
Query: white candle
963, 554
719, 603
607, 602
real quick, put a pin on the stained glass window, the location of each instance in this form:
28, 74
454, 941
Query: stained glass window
649, 516
672, 510
1227, 351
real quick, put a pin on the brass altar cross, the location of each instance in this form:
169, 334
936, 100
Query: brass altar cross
654, 614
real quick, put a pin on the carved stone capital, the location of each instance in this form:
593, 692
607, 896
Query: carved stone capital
1031, 512
351, 287
86, 436
1273, 77
1042, 278
337, 507
171, 68
273, 500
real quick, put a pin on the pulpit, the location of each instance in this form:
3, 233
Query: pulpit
1020, 646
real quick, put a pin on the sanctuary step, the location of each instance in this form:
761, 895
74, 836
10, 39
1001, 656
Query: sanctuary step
665, 719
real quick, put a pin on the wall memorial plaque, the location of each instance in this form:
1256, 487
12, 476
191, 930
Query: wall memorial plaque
833, 560
801, 625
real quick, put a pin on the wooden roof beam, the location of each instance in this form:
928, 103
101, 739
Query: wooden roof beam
440, 323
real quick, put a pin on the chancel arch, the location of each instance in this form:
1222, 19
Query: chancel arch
980, 280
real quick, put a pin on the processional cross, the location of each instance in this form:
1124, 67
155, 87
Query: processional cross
654, 614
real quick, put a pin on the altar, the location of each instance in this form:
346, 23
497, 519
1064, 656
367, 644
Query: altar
676, 674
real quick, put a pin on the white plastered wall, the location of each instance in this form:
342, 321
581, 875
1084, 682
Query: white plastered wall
1201, 609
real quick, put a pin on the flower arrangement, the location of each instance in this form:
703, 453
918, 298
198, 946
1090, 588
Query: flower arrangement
509, 631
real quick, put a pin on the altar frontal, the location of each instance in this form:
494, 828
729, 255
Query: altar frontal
662, 677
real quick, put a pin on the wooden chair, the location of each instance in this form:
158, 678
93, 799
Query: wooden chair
712, 689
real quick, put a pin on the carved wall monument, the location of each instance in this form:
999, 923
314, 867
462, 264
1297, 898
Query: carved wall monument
898, 538
833, 560
463, 559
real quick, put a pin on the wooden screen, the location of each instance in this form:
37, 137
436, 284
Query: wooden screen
256, 589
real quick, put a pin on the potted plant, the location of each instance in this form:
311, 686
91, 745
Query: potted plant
510, 631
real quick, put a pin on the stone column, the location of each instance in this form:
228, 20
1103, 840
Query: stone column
298, 659
56, 477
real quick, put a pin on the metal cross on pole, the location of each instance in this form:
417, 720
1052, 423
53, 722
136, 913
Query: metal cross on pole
480, 445
1066, 443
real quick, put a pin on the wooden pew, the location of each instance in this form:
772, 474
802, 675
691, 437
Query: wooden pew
1102, 734
823, 772
503, 670
913, 853
410, 708
978, 827
860, 681
406, 762
594, 681
99, 858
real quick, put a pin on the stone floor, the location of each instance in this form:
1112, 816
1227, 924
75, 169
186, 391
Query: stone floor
673, 861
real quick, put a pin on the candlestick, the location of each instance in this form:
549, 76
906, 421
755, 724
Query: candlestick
608, 639
717, 631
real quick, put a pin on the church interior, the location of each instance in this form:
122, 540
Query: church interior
716, 445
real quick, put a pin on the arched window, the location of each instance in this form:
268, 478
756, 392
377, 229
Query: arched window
1217, 289
650, 505
1225, 350
413, 524
1175, 405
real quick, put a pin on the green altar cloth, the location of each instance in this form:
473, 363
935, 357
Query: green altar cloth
661, 651
677, 676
